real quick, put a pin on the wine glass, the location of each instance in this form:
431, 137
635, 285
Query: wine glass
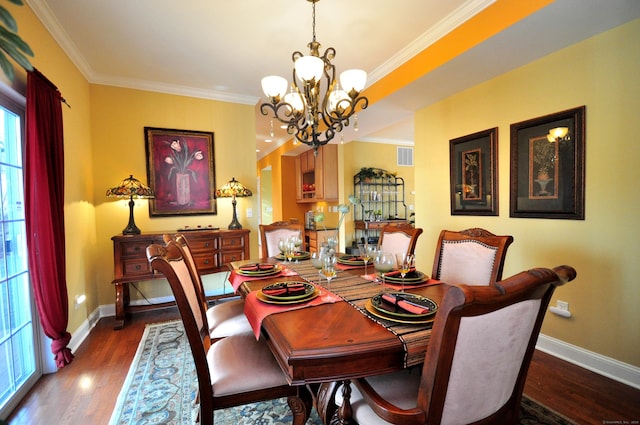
405, 263
316, 259
365, 254
329, 269
383, 262
290, 250
282, 246
297, 241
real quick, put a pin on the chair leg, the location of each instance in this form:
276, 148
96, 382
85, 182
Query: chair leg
300, 405
325, 403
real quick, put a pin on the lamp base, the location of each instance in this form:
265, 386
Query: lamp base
131, 228
235, 224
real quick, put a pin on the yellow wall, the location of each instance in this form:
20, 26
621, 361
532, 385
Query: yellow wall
600, 73
118, 118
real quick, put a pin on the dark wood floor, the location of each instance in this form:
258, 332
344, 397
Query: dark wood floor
85, 392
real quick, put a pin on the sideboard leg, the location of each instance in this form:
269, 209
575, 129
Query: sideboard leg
122, 300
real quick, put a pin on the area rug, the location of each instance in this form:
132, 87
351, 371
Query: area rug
161, 386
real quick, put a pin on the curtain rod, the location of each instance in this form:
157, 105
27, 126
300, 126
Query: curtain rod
46, 80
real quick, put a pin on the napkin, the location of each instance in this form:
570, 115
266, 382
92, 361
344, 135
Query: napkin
397, 273
407, 306
287, 289
351, 258
256, 267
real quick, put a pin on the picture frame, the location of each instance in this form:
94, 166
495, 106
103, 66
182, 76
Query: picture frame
547, 173
474, 173
181, 171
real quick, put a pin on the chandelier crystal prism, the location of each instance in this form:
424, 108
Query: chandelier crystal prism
312, 114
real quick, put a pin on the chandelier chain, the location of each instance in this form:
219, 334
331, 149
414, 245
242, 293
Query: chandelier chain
313, 16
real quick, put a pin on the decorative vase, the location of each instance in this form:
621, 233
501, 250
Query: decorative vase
183, 188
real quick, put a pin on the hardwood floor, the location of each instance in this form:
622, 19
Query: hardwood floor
85, 392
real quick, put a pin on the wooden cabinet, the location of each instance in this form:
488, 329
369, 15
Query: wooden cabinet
317, 175
212, 251
315, 238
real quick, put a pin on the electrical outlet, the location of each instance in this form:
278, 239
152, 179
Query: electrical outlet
562, 305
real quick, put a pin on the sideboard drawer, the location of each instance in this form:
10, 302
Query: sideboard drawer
136, 267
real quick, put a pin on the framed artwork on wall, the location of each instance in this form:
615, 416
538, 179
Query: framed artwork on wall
474, 173
181, 171
547, 166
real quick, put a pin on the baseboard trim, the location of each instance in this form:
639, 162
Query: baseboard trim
602, 365
83, 331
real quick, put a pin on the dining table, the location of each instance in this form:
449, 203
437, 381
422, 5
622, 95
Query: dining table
336, 336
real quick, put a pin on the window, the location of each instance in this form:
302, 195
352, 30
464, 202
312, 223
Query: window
19, 367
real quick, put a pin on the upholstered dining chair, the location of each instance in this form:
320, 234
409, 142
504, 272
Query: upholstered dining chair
224, 319
231, 371
399, 238
472, 256
476, 364
270, 235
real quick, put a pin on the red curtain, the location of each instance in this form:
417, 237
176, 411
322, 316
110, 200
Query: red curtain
44, 209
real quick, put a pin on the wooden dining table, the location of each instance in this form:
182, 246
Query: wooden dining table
340, 340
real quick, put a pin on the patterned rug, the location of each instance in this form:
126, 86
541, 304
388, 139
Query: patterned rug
161, 386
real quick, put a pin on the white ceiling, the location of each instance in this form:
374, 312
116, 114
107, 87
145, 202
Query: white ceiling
221, 50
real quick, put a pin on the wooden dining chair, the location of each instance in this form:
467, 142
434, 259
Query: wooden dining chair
472, 256
226, 318
399, 238
231, 371
476, 363
270, 235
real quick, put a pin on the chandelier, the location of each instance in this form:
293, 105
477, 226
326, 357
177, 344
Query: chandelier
314, 116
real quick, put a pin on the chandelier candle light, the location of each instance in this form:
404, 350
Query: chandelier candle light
131, 188
232, 189
312, 116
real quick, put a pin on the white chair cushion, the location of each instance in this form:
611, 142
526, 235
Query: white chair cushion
399, 388
469, 262
227, 318
240, 364
395, 242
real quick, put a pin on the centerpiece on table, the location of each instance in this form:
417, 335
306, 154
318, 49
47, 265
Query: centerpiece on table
343, 209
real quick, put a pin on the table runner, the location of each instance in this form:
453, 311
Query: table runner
356, 291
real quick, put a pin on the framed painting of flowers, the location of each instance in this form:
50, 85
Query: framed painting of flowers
473, 167
181, 171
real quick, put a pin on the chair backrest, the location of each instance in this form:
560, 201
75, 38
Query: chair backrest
270, 235
473, 257
182, 243
480, 349
481, 346
399, 238
169, 261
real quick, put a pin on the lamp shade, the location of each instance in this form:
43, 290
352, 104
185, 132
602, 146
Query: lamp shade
274, 86
353, 79
233, 188
557, 133
309, 68
130, 187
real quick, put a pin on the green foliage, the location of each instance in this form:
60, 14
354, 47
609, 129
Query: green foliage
11, 45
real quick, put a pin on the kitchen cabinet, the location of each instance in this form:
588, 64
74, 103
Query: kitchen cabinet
317, 175
315, 238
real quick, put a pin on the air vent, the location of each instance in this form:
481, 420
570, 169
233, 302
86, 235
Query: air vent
405, 156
